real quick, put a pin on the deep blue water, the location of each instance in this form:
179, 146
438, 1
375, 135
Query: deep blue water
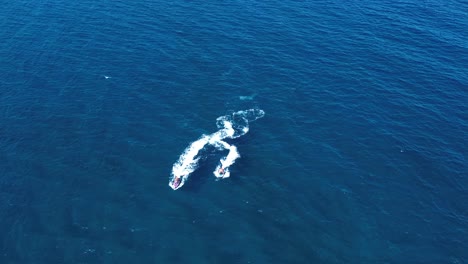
360, 158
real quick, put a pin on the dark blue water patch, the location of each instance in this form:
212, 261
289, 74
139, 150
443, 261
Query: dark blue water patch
360, 158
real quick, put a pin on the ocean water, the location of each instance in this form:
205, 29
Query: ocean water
360, 157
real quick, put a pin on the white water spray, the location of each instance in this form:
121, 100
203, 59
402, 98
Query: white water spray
230, 126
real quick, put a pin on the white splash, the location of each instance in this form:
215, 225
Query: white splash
187, 163
230, 126
222, 170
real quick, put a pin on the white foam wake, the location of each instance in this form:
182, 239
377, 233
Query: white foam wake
222, 170
187, 163
230, 126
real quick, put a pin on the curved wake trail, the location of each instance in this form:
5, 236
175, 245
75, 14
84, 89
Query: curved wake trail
230, 126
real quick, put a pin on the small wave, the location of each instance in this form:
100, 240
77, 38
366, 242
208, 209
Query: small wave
230, 126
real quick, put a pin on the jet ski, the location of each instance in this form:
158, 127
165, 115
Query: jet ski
221, 172
176, 182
